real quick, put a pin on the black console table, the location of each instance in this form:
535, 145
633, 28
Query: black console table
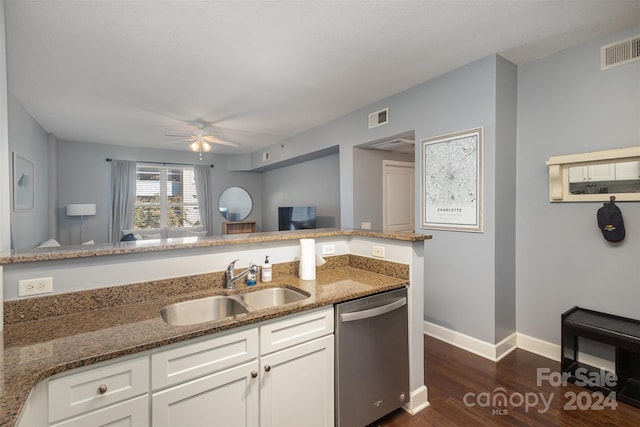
620, 332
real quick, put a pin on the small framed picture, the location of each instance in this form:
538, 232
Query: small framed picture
23, 183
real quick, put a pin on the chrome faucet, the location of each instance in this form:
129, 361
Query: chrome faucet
230, 279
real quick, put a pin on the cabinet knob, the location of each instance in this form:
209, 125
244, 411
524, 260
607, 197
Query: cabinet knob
254, 374
102, 389
267, 368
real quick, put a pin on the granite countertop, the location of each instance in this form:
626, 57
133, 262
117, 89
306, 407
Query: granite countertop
102, 249
36, 349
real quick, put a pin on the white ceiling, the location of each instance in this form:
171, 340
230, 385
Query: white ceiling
129, 72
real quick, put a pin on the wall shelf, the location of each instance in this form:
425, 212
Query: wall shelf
605, 173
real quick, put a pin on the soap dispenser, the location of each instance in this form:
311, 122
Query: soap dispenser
267, 272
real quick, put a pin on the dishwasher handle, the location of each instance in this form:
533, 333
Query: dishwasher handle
372, 312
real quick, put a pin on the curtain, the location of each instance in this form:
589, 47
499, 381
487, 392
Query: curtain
123, 197
206, 202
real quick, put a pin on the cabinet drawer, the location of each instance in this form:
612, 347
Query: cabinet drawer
204, 357
97, 387
131, 413
294, 330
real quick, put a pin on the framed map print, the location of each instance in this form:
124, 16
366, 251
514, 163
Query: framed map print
452, 181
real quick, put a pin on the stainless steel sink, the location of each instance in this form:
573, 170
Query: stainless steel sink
201, 310
222, 306
272, 297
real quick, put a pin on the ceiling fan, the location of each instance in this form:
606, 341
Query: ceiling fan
201, 140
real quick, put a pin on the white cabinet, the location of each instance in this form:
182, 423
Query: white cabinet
90, 392
276, 373
604, 172
199, 357
297, 386
130, 413
225, 399
628, 171
212, 382
227, 381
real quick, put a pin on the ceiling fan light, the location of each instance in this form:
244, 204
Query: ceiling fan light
195, 146
206, 147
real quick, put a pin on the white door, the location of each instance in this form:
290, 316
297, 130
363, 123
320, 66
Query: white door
296, 387
225, 399
398, 196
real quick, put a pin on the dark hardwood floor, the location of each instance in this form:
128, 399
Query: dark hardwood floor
452, 373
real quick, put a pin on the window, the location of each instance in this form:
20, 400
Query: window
165, 196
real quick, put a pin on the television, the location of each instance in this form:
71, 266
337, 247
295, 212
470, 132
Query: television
296, 217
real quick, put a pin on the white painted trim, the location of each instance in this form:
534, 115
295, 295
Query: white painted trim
554, 352
516, 340
418, 401
493, 352
539, 347
506, 346
5, 176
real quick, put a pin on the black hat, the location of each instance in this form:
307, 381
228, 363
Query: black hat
610, 222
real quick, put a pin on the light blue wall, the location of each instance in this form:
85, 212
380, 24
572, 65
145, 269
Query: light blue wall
505, 193
567, 105
368, 182
311, 183
461, 276
84, 177
27, 137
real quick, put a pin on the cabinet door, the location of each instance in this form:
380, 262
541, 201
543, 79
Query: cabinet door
296, 387
605, 172
627, 171
131, 413
578, 173
226, 399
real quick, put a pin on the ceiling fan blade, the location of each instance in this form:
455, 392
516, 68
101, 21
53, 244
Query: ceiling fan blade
177, 140
180, 136
215, 140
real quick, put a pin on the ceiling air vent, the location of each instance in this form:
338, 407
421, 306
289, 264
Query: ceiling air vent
379, 118
398, 144
620, 53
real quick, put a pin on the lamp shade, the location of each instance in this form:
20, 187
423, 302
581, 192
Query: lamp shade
81, 209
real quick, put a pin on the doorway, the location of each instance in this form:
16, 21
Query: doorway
398, 196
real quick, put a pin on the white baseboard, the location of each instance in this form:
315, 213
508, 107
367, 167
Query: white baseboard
419, 400
539, 347
493, 352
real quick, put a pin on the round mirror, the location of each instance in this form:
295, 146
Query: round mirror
235, 204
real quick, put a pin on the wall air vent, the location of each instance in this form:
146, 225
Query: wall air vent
620, 53
379, 118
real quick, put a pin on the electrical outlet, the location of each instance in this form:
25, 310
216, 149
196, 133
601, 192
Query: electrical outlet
366, 225
378, 251
42, 285
328, 249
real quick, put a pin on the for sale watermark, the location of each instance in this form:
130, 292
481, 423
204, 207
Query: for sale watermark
500, 400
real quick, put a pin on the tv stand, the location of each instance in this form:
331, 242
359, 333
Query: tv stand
620, 332
238, 227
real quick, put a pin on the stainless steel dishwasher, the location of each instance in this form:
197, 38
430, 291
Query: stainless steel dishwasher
372, 357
